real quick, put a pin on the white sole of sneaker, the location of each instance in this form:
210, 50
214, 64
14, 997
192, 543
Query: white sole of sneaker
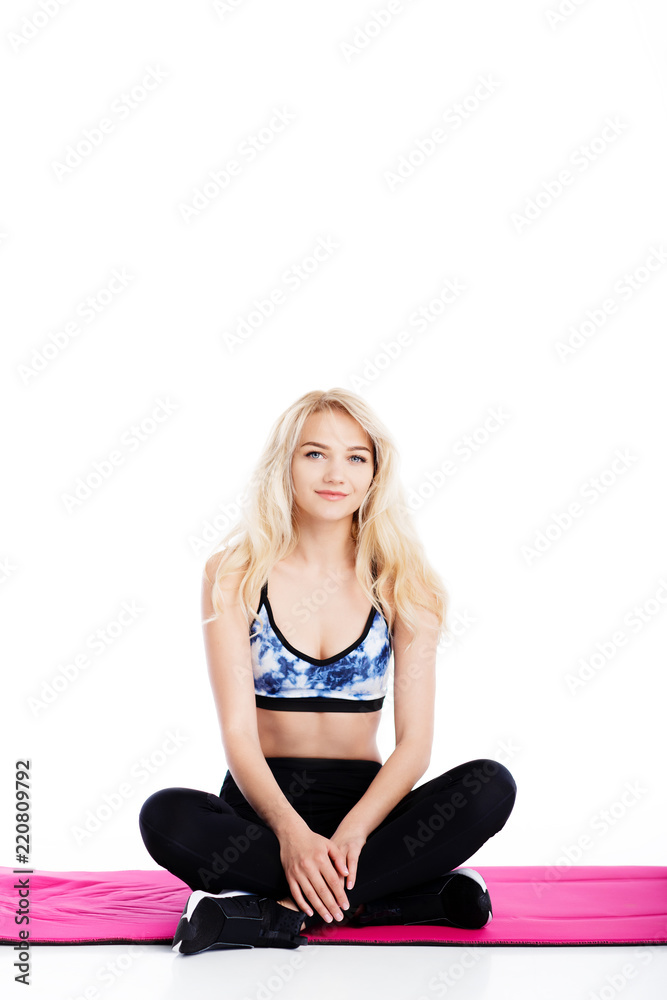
193, 900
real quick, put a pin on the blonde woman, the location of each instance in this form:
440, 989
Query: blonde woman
304, 606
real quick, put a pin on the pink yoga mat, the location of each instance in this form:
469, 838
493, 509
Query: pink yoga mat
535, 905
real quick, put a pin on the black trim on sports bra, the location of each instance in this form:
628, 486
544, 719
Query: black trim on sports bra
318, 704
311, 659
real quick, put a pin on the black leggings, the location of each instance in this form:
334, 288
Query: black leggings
216, 842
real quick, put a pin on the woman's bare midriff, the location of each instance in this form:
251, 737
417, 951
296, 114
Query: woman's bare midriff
319, 734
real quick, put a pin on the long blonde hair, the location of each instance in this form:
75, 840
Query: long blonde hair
390, 557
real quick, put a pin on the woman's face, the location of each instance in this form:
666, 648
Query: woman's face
334, 453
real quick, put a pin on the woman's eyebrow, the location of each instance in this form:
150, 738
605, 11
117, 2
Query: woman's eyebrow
318, 444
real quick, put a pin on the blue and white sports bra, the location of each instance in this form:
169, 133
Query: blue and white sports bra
354, 680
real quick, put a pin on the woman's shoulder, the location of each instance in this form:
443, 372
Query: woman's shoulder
214, 562
230, 583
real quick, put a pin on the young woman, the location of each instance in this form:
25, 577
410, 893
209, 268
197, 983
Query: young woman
302, 614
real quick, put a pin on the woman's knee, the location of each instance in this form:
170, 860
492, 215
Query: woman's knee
496, 785
157, 808
169, 810
484, 785
503, 779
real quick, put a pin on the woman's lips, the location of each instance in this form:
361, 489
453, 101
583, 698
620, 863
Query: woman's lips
330, 496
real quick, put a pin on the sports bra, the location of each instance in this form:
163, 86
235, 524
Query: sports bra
354, 680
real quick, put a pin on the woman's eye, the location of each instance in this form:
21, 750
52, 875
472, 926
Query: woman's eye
360, 457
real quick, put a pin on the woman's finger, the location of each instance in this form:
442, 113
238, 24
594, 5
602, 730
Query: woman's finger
339, 858
332, 892
299, 898
322, 898
353, 861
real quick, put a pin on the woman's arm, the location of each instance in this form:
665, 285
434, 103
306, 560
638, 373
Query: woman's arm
227, 645
314, 868
414, 708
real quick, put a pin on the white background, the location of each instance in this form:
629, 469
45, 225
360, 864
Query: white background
141, 536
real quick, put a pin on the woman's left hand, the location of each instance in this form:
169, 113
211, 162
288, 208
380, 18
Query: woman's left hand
350, 842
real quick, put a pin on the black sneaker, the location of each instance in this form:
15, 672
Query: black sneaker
458, 899
246, 920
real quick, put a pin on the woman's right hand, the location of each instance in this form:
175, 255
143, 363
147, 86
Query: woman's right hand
315, 870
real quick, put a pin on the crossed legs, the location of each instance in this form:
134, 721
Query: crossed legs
437, 826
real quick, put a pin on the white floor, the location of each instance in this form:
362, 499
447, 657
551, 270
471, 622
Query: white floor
102, 972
